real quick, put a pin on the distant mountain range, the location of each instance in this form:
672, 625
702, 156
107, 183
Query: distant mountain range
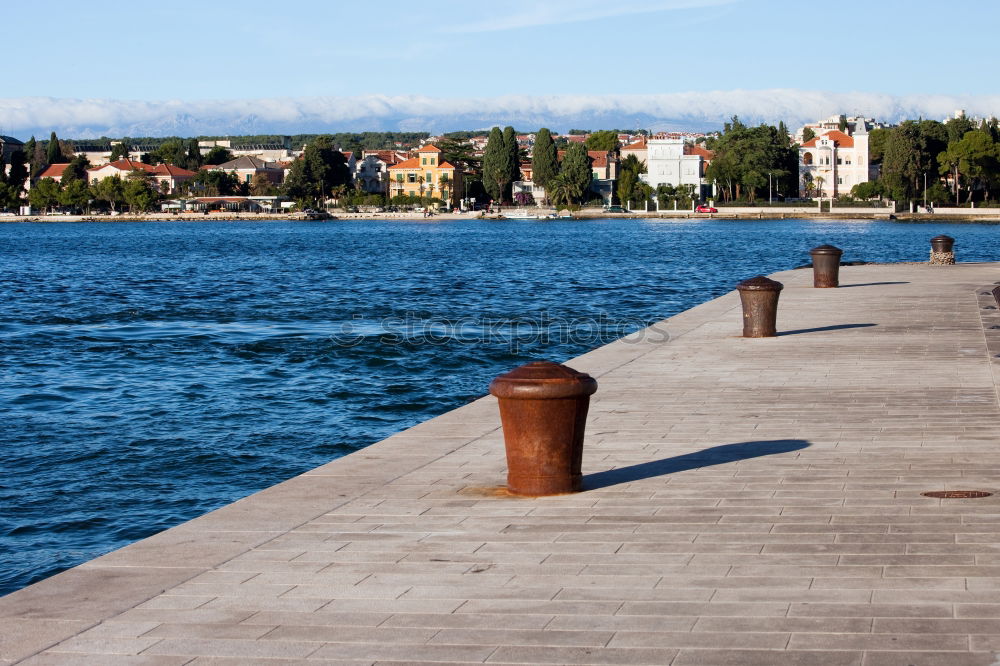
691, 111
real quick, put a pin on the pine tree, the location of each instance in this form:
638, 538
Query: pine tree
544, 160
53, 154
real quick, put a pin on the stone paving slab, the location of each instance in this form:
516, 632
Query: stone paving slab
746, 502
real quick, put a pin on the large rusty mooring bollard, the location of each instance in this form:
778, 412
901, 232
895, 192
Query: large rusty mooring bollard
759, 296
942, 250
826, 266
543, 411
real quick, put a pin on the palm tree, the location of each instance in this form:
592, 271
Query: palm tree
560, 190
818, 181
444, 181
420, 181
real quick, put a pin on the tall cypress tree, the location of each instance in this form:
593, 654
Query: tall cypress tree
512, 162
494, 170
53, 153
576, 169
544, 159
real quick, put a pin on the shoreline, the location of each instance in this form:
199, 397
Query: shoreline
587, 214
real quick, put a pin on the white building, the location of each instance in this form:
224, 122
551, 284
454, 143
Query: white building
833, 162
670, 162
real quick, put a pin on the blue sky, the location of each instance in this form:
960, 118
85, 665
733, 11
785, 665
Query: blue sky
328, 53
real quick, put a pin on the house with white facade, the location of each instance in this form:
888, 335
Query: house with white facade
671, 161
833, 162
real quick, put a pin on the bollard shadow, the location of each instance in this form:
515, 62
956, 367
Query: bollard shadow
820, 329
716, 455
869, 284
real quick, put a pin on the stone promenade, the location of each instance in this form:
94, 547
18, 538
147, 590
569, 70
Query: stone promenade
750, 502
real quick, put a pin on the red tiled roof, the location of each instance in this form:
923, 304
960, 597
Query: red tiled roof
171, 170
576, 138
599, 157
54, 171
445, 165
638, 145
698, 150
412, 163
839, 138
429, 148
129, 165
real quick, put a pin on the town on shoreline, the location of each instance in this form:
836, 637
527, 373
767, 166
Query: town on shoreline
840, 166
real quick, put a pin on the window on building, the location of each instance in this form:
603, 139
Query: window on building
423, 161
429, 178
807, 159
411, 177
840, 181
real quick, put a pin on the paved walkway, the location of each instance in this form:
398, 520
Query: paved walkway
748, 502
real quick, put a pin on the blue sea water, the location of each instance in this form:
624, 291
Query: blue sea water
150, 372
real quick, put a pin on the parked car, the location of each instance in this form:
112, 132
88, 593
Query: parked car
706, 209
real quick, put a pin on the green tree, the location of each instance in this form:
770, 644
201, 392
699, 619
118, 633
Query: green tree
139, 192
111, 191
603, 140
53, 151
445, 185
496, 165
958, 127
576, 168
808, 134
561, 191
218, 155
261, 186
974, 157
877, 139
44, 195
315, 175
842, 123
544, 159
75, 193
16, 179
120, 150
171, 151
215, 183
627, 181
76, 170
513, 160
911, 149
193, 160
749, 160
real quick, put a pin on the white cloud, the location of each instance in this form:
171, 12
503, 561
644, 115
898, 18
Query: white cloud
518, 14
85, 118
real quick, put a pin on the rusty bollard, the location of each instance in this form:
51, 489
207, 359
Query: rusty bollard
826, 266
759, 296
942, 250
543, 411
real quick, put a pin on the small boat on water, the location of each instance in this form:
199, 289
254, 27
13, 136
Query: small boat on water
523, 214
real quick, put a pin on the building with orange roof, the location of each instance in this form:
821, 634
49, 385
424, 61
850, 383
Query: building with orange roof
53, 171
168, 178
637, 148
834, 161
426, 175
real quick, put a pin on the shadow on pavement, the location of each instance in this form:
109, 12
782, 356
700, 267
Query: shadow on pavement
716, 455
869, 284
824, 328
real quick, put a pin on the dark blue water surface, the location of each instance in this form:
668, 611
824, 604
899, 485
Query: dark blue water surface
154, 371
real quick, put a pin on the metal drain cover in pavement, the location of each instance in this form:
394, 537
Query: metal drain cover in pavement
957, 494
